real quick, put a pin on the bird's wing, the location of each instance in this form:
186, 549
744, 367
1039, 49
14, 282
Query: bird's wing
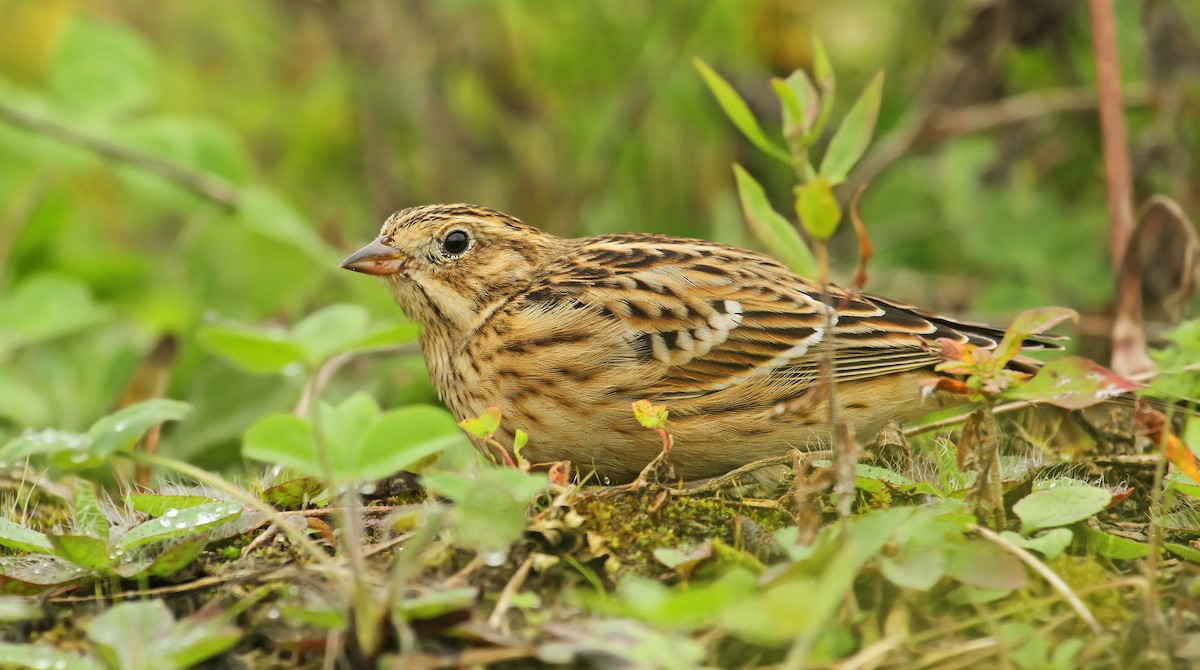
713, 317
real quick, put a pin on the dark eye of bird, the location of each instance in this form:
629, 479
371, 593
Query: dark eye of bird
456, 242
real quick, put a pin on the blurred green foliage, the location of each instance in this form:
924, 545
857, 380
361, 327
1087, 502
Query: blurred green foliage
164, 166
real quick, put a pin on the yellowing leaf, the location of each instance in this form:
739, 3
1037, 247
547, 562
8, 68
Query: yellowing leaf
650, 416
485, 425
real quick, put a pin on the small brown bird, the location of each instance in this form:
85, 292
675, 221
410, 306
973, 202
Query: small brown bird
564, 334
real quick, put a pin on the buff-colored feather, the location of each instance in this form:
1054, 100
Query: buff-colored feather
564, 334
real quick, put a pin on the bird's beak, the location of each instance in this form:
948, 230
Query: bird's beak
376, 259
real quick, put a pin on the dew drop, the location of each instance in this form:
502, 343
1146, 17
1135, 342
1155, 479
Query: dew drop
273, 613
165, 523
120, 427
171, 513
181, 525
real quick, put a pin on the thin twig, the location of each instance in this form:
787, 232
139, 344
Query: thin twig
496, 620
1049, 575
211, 188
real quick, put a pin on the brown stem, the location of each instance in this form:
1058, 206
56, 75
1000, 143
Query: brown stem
205, 185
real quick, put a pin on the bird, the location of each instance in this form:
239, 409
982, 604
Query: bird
564, 334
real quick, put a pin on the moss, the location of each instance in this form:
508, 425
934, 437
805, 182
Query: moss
630, 528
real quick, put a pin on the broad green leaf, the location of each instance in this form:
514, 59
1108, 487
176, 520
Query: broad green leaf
915, 566
89, 517
29, 575
490, 509
692, 608
382, 337
20, 402
1112, 546
267, 213
1050, 544
44, 307
1177, 481
780, 236
101, 68
120, 430
1183, 551
401, 439
1060, 506
739, 112
284, 439
254, 350
330, 331
199, 638
49, 441
1072, 382
87, 552
133, 635
153, 504
36, 656
293, 493
16, 536
854, 135
343, 427
1030, 322
818, 208
434, 604
184, 522
980, 563
177, 556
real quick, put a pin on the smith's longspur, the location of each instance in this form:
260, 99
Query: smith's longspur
564, 334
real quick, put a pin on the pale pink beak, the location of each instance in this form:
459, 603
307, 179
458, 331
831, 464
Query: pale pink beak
376, 258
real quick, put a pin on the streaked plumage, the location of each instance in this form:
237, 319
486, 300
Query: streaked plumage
564, 334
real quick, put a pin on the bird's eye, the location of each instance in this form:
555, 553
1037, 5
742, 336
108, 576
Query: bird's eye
456, 242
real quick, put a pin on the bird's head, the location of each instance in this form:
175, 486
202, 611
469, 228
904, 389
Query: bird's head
445, 264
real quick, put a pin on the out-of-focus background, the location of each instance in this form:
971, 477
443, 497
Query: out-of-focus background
168, 164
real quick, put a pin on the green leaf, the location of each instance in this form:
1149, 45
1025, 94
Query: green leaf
267, 213
33, 656
132, 635
1072, 382
16, 536
854, 135
101, 68
153, 504
175, 557
979, 563
284, 439
780, 236
738, 112
490, 509
120, 430
254, 350
915, 566
20, 402
89, 517
1050, 544
822, 67
86, 552
385, 336
184, 522
44, 307
49, 441
434, 604
401, 439
294, 493
818, 208
485, 425
1060, 506
1112, 546
29, 575
1183, 551
801, 105
329, 331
